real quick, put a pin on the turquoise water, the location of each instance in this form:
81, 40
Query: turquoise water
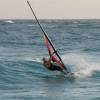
22, 76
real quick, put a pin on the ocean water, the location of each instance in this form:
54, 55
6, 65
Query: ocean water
22, 75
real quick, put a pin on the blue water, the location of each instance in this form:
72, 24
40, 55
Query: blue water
22, 75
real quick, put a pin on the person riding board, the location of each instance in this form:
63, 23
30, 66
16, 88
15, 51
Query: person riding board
53, 66
49, 64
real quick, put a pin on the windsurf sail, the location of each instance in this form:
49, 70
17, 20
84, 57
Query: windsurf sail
53, 53
51, 49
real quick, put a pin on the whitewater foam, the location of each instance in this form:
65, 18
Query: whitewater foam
81, 64
9, 21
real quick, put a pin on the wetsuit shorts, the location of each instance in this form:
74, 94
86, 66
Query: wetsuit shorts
54, 67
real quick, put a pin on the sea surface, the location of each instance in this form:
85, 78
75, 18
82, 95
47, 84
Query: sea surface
22, 75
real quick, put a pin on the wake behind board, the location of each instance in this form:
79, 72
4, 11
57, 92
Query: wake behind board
69, 75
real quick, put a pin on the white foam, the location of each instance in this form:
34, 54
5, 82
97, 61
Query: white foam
32, 58
81, 64
9, 21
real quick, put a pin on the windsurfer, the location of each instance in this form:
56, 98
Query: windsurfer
49, 64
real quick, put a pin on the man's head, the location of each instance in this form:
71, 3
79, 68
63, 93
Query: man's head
44, 59
46, 63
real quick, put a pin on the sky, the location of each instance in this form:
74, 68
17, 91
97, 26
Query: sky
50, 9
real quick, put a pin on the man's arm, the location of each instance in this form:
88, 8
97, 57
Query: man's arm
50, 59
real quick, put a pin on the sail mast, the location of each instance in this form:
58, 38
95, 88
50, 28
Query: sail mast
40, 25
55, 51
